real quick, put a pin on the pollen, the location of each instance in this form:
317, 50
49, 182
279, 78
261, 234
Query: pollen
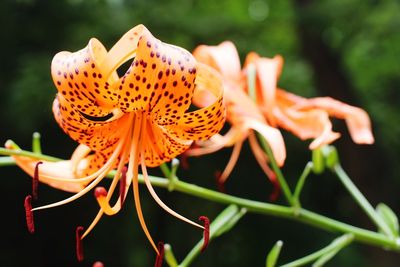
206, 232
29, 214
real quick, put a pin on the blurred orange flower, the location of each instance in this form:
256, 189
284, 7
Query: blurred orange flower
305, 118
242, 113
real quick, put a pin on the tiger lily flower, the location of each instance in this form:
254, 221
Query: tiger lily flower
242, 113
305, 118
139, 119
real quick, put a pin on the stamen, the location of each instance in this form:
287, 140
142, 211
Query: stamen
220, 184
206, 232
122, 184
79, 244
116, 208
133, 173
101, 196
100, 192
29, 214
183, 158
276, 188
157, 198
35, 181
160, 255
232, 161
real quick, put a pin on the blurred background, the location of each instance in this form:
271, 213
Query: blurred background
347, 49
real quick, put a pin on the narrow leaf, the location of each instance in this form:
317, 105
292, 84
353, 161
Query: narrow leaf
389, 217
273, 255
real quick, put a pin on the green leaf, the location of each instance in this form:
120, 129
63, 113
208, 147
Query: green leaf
389, 217
273, 255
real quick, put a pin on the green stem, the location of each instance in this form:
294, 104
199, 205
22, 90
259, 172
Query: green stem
7, 161
298, 214
165, 170
18, 152
282, 181
251, 84
335, 245
361, 200
36, 146
169, 256
300, 183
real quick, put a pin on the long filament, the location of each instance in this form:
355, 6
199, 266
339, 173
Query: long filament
232, 162
104, 170
154, 194
133, 169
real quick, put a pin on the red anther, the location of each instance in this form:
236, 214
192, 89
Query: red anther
276, 191
220, 184
100, 192
206, 233
79, 244
160, 255
122, 184
29, 214
98, 264
183, 158
35, 181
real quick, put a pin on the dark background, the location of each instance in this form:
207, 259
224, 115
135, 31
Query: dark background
348, 49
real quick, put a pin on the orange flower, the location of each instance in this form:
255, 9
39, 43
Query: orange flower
242, 113
141, 118
305, 118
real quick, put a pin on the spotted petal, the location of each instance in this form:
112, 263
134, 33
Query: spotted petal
96, 135
160, 80
80, 80
205, 122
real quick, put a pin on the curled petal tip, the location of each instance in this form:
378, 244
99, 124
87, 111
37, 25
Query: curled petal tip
364, 136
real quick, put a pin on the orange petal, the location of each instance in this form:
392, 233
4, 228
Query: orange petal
203, 123
357, 119
268, 71
61, 169
159, 146
224, 58
217, 142
160, 80
272, 136
307, 124
96, 135
79, 79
